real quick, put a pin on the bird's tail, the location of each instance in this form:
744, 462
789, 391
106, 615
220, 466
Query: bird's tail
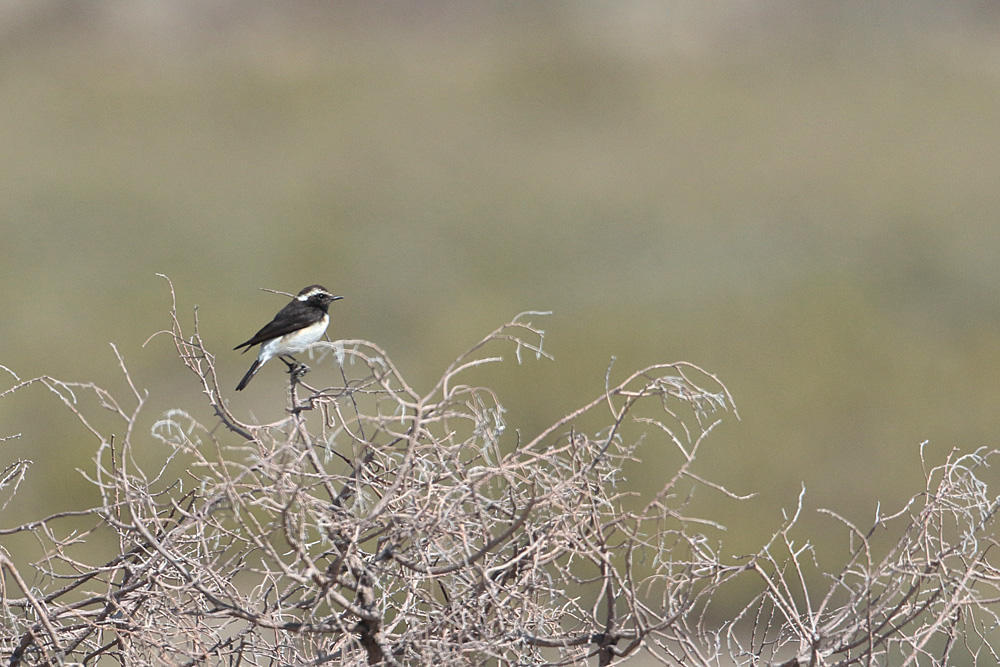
250, 373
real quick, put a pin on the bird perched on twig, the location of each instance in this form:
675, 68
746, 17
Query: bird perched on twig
296, 326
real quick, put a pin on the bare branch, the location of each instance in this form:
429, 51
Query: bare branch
374, 525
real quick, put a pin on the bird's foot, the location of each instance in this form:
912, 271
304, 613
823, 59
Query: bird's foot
295, 368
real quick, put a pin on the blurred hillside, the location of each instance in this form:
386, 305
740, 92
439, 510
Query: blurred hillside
799, 198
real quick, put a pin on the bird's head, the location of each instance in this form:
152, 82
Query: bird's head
317, 295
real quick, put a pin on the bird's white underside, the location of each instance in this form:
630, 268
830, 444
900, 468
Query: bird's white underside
294, 342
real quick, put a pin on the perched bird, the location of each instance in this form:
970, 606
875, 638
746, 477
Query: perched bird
296, 326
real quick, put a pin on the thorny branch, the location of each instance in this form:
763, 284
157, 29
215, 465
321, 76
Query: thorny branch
374, 525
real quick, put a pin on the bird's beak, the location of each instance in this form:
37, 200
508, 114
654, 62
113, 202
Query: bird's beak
336, 298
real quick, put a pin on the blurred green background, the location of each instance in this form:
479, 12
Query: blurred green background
799, 197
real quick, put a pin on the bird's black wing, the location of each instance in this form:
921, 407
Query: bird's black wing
290, 318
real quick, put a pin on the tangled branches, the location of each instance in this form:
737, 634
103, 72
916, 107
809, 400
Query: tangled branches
375, 525
927, 598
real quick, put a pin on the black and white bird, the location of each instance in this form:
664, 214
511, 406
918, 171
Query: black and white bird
296, 326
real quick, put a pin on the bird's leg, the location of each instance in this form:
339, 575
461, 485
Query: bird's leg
295, 367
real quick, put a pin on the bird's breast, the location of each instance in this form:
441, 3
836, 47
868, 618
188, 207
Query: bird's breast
297, 341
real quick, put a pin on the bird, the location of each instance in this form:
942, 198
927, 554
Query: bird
296, 326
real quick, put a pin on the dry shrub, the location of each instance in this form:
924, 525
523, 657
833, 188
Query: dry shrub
377, 525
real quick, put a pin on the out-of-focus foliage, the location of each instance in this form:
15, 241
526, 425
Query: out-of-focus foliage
800, 198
